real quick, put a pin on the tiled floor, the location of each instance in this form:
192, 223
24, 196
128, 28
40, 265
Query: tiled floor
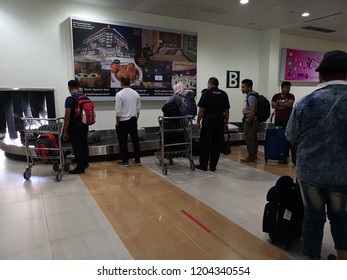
129, 213
43, 219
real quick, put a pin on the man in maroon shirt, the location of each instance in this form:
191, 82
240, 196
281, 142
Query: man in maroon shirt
283, 104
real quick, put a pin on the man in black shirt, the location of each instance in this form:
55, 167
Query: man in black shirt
213, 117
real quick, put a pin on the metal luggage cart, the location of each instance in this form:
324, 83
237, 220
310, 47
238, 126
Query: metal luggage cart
175, 140
60, 160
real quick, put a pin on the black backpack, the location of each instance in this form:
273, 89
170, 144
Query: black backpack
171, 109
284, 212
263, 107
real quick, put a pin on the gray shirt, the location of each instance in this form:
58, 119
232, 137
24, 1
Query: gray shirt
251, 101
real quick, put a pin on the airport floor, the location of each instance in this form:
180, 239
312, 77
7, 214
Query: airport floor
120, 213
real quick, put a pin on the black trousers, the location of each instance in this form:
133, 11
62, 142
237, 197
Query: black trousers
212, 131
79, 141
125, 128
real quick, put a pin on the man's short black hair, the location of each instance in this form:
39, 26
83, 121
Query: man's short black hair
73, 84
125, 80
285, 84
213, 81
248, 83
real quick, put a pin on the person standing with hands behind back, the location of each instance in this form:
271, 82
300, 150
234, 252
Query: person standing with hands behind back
75, 131
213, 117
318, 125
128, 106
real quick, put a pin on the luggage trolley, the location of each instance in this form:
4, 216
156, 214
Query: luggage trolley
175, 140
36, 154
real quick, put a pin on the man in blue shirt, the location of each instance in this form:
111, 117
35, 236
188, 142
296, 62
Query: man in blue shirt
75, 131
318, 125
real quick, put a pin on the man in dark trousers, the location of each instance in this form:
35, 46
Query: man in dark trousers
250, 120
213, 118
75, 131
283, 104
128, 106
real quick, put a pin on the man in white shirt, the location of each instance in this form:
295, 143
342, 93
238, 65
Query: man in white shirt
128, 106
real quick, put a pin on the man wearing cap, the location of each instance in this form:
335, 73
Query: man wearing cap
318, 125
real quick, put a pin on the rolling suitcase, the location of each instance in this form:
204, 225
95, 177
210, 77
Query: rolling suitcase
276, 146
284, 212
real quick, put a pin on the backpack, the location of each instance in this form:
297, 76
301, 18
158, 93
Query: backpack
189, 104
263, 107
284, 212
45, 147
84, 111
171, 109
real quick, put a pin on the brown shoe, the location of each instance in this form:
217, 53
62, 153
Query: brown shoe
248, 159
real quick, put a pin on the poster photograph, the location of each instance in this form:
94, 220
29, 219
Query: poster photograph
155, 60
300, 65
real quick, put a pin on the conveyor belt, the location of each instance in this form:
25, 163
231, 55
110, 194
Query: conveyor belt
109, 143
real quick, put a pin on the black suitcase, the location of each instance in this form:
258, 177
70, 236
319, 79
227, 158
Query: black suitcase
284, 212
276, 146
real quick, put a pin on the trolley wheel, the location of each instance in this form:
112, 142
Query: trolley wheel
171, 161
27, 173
67, 167
192, 165
60, 175
56, 166
164, 169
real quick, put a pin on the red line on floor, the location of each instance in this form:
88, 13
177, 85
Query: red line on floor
196, 221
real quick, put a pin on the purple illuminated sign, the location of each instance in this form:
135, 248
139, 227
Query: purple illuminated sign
299, 65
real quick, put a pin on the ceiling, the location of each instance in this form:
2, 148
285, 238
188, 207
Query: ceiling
325, 15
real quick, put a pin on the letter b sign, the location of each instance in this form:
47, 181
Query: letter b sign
233, 79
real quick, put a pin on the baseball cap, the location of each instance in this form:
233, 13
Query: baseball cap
333, 62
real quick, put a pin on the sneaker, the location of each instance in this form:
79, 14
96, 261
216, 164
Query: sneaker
76, 171
248, 159
137, 162
331, 257
123, 163
200, 167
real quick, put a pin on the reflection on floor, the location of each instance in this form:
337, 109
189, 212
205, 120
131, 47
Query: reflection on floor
112, 212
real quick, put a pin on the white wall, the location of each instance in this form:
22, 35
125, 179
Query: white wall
35, 51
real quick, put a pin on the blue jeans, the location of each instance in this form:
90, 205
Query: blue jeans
318, 202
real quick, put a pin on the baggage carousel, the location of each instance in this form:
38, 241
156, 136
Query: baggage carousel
108, 145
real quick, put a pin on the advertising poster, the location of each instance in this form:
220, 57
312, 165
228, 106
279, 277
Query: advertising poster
299, 65
155, 60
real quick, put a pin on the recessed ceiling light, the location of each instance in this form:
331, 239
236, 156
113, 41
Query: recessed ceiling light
306, 14
244, 1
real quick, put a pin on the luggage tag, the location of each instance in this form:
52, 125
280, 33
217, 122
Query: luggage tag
287, 215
